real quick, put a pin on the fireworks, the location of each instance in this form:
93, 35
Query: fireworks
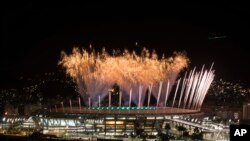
195, 88
96, 72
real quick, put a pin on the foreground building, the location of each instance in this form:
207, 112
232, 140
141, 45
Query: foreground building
117, 121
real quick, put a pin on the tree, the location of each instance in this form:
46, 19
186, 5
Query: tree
138, 128
185, 134
162, 136
196, 130
181, 129
167, 127
197, 135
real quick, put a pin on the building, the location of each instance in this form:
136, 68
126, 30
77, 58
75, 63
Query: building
246, 111
101, 121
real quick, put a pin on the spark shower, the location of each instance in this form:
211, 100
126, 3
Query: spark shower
137, 75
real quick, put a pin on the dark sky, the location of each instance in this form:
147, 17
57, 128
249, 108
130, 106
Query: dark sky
32, 35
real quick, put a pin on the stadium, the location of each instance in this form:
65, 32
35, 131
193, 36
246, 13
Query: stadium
123, 95
118, 122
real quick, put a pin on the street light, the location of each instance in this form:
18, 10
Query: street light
110, 90
62, 106
79, 100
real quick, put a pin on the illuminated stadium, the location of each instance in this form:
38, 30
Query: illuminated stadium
125, 94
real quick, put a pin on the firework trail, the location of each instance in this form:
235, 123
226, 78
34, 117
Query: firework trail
195, 88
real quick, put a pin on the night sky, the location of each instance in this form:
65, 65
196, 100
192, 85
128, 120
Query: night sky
33, 35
